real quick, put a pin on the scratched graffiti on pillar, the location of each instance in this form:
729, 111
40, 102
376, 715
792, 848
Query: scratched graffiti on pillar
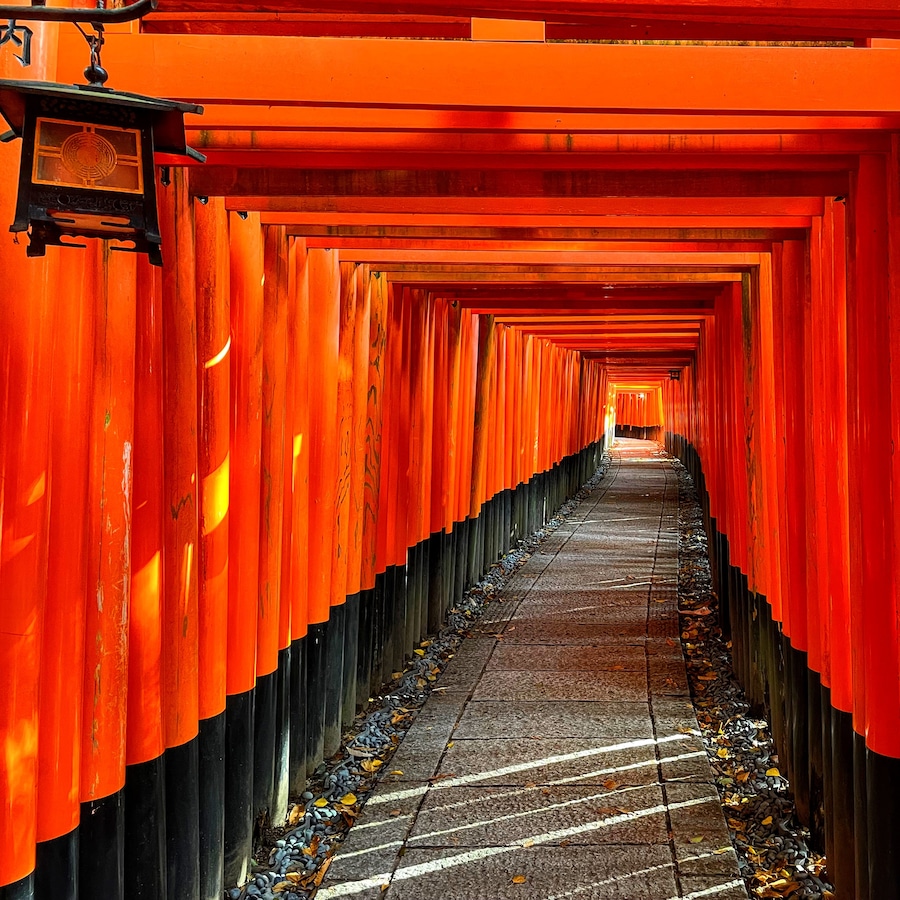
19, 36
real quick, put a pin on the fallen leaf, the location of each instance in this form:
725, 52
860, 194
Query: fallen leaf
419, 652
296, 814
370, 765
528, 843
320, 872
348, 799
773, 773
395, 812
396, 675
397, 772
767, 820
322, 802
610, 785
519, 879
449, 745
294, 877
697, 840
617, 668
722, 753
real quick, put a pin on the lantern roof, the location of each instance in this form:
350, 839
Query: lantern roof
167, 115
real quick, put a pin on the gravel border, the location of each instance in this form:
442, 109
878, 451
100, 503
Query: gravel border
290, 862
772, 846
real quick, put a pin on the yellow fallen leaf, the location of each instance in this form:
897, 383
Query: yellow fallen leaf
767, 820
450, 744
518, 879
773, 773
296, 814
528, 843
397, 772
321, 802
396, 675
722, 753
348, 799
697, 840
419, 652
370, 765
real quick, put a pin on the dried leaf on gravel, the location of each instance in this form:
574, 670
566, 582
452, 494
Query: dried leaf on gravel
519, 879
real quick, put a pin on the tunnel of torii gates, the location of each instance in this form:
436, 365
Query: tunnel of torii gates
398, 307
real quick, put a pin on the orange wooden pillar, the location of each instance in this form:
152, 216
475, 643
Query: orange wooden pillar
324, 359
145, 827
213, 290
245, 275
872, 296
181, 539
295, 586
109, 574
270, 728
373, 551
440, 561
62, 637
343, 414
359, 363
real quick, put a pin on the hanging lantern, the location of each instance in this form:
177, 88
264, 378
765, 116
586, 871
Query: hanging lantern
87, 165
675, 374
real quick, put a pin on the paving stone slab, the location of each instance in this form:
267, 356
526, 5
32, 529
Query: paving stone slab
567, 633
541, 718
550, 873
628, 616
581, 761
600, 685
577, 658
495, 816
372, 844
706, 888
698, 827
684, 759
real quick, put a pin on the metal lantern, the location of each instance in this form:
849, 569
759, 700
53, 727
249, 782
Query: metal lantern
87, 162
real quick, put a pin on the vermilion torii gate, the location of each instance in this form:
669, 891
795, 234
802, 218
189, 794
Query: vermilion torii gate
396, 305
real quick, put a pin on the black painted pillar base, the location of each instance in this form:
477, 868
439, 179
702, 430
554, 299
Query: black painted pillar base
860, 818
334, 673
316, 686
297, 766
278, 810
23, 889
437, 567
182, 821
101, 856
350, 661
212, 807
842, 857
364, 636
264, 748
56, 869
816, 758
883, 815
239, 714
145, 830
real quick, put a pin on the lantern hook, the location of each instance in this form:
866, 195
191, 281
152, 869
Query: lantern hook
95, 74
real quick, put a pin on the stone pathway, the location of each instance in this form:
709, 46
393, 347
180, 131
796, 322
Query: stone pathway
559, 756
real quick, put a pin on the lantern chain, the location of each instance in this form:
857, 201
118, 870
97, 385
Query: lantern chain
95, 73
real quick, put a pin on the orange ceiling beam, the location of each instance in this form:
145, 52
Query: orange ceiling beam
500, 76
610, 19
